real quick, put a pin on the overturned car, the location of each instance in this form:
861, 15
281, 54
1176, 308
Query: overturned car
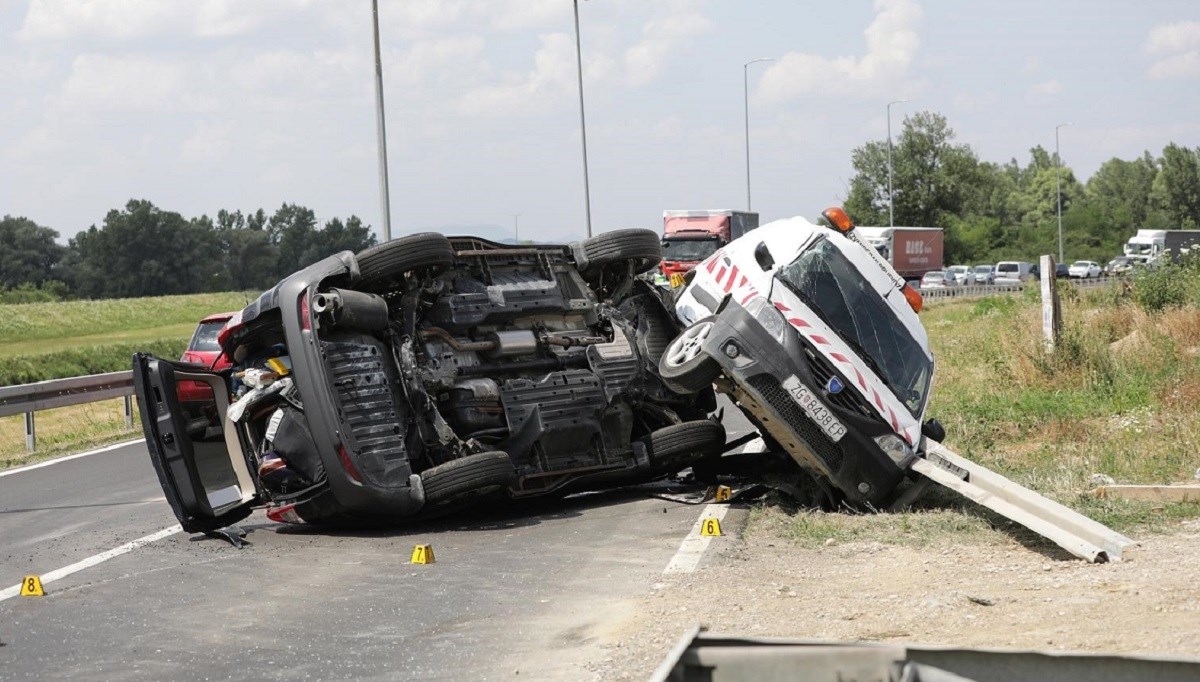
817, 340
424, 374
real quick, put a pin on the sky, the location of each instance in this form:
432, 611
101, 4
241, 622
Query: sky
211, 104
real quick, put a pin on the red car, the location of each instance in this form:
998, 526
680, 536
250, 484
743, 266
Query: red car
204, 349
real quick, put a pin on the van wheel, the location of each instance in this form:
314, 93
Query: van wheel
384, 265
679, 443
471, 475
642, 249
685, 367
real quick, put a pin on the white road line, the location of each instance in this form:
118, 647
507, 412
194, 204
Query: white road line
60, 460
691, 550
94, 560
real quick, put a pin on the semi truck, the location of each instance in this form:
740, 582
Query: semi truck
911, 251
691, 236
1147, 246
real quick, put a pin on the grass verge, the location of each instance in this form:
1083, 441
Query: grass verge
66, 430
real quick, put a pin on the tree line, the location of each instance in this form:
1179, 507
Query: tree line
998, 211
142, 250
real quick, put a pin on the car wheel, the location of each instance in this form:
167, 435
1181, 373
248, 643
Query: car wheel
685, 367
474, 474
383, 265
679, 443
641, 248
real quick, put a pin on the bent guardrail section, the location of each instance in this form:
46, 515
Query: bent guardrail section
1074, 532
44, 395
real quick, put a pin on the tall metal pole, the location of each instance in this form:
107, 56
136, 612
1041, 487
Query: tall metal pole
891, 205
587, 198
1058, 191
381, 132
516, 228
746, 102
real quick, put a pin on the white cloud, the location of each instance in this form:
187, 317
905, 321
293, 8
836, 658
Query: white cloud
1049, 88
551, 78
1176, 37
132, 19
134, 83
208, 143
661, 36
970, 103
1178, 48
892, 44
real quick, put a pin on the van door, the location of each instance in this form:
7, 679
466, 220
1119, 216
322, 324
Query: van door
194, 447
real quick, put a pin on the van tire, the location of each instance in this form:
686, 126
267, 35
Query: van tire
684, 367
678, 443
383, 265
473, 474
639, 247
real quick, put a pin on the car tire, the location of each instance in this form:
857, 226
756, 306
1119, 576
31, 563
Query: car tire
678, 443
385, 264
641, 248
684, 367
480, 473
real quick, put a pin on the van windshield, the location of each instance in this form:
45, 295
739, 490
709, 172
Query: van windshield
827, 282
1007, 267
688, 249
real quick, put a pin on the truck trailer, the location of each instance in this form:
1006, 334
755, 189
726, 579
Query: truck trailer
911, 251
691, 236
1148, 246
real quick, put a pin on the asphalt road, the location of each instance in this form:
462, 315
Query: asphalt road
523, 592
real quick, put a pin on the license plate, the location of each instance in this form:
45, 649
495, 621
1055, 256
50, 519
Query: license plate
816, 410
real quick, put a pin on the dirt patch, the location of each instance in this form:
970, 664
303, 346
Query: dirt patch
995, 595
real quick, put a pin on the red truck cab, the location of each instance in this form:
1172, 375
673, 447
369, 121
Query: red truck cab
691, 236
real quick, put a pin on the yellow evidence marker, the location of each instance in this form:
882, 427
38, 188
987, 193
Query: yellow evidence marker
723, 494
711, 528
31, 586
676, 280
422, 554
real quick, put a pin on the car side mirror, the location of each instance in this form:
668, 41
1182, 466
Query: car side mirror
763, 255
933, 430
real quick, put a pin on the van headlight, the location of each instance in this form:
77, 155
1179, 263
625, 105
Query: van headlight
767, 316
894, 447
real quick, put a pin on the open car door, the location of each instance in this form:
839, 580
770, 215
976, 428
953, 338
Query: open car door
194, 448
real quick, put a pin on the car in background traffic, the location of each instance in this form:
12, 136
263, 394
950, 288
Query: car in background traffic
817, 339
963, 274
937, 279
1084, 269
1061, 271
1015, 272
203, 349
985, 274
426, 374
1121, 265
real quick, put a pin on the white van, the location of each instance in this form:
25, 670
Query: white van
1015, 272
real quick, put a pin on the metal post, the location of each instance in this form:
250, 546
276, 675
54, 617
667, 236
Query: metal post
587, 198
1058, 192
129, 412
746, 103
517, 228
891, 206
30, 434
381, 131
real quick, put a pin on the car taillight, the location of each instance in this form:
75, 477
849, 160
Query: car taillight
915, 301
347, 463
305, 319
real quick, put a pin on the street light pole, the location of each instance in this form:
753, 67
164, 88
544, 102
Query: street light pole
891, 205
746, 102
1058, 190
380, 131
587, 199
516, 228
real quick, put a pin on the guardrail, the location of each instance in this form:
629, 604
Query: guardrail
29, 398
981, 290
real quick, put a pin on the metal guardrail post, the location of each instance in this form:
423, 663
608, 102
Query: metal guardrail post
129, 412
30, 435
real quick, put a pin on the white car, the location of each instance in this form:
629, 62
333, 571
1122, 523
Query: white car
1084, 269
819, 342
963, 274
938, 279
985, 274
